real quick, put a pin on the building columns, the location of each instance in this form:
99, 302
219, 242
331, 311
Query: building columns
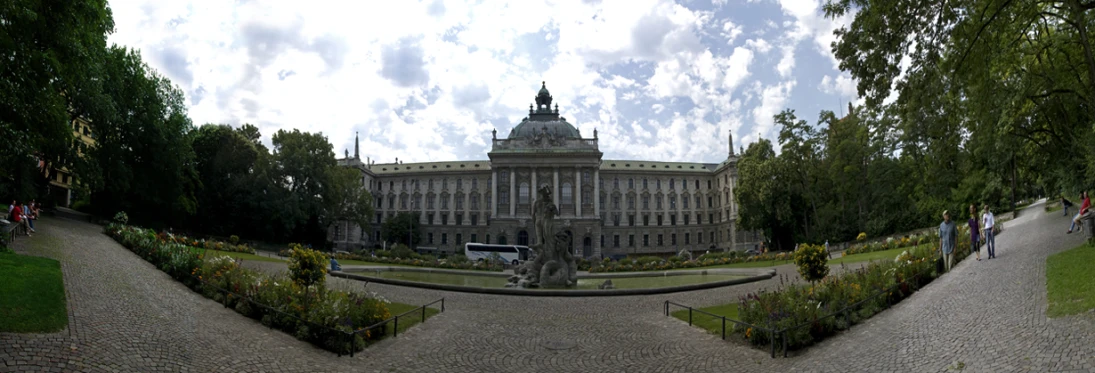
494, 192
555, 189
597, 192
534, 190
512, 194
578, 191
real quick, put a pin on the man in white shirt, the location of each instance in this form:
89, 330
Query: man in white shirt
987, 223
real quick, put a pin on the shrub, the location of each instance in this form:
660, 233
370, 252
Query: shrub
402, 251
307, 267
812, 262
234, 239
121, 218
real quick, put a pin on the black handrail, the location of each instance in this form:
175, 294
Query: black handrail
394, 321
770, 331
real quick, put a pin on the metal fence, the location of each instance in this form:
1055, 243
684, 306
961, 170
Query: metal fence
394, 321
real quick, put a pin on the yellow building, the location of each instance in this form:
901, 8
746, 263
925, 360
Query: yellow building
61, 180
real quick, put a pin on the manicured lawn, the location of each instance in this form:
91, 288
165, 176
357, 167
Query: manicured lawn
1055, 208
33, 295
364, 263
857, 258
407, 321
1069, 280
706, 322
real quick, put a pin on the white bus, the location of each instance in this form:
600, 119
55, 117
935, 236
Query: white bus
513, 254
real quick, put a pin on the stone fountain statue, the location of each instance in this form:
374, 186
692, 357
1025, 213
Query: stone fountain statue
554, 266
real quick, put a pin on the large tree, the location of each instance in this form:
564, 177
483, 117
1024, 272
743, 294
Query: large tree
404, 228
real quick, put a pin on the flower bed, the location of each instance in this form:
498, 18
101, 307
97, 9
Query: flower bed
635, 265
312, 313
455, 262
204, 244
803, 313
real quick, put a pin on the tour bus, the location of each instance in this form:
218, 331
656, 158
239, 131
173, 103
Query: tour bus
514, 254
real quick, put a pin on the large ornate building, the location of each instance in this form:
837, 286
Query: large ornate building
608, 207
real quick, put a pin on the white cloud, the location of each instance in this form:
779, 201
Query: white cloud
429, 80
843, 85
773, 100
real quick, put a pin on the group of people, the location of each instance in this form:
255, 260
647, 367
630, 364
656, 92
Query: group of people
1085, 210
981, 230
24, 214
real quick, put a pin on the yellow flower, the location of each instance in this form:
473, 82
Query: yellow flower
748, 332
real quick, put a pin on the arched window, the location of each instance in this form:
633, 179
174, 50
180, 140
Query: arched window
671, 183
630, 183
522, 238
568, 194
522, 194
616, 183
501, 240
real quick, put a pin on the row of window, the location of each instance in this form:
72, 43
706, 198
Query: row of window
429, 184
459, 219
687, 219
416, 202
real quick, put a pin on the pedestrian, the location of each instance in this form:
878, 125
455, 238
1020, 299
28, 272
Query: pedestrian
988, 222
975, 233
1066, 203
947, 236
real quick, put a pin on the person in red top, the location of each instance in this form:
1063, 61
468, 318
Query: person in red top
1084, 207
18, 218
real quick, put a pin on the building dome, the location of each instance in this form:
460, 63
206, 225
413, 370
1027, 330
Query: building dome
543, 120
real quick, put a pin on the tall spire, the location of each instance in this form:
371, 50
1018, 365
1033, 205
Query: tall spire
357, 154
731, 143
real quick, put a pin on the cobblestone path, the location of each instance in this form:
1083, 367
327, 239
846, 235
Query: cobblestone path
127, 316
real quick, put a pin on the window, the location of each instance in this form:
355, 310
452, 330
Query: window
379, 204
644, 183
659, 220
646, 240
444, 219
522, 238
602, 240
502, 175
658, 184
684, 202
503, 197
415, 184
444, 183
586, 177
646, 202
568, 194
616, 202
378, 217
660, 242
616, 183
474, 183
672, 202
658, 202
444, 238
404, 187
391, 202
379, 187
698, 204
403, 202
697, 185
501, 240
429, 184
631, 202
686, 241
699, 218
673, 219
699, 237
646, 220
473, 237
601, 182
630, 183
522, 195
712, 237
602, 201
616, 219
587, 197
630, 240
474, 219
616, 240
459, 183
671, 181
686, 216
474, 201
444, 202
487, 241
673, 239
459, 238
429, 218
459, 219
429, 202
708, 184
631, 220
710, 202
429, 238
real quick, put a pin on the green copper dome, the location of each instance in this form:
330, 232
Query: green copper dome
544, 120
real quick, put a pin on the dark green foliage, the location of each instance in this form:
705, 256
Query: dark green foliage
402, 227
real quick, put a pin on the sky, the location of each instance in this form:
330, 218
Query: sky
659, 80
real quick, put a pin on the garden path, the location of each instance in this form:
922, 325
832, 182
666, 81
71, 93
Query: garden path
127, 316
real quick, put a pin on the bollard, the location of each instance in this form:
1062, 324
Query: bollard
689, 316
724, 328
395, 330
423, 313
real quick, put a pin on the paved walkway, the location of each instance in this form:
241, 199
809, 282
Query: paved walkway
127, 316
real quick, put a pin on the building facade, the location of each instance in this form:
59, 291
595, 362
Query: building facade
61, 180
607, 207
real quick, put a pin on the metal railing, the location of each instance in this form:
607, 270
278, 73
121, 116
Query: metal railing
394, 321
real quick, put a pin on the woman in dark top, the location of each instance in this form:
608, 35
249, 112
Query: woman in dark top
975, 228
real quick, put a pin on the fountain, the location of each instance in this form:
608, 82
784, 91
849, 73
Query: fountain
554, 266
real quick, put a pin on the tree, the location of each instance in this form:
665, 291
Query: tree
763, 194
51, 51
402, 226
346, 198
226, 164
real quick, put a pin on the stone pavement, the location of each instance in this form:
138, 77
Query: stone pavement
127, 316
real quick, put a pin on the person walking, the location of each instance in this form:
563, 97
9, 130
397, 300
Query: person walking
988, 221
947, 237
1066, 204
975, 233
